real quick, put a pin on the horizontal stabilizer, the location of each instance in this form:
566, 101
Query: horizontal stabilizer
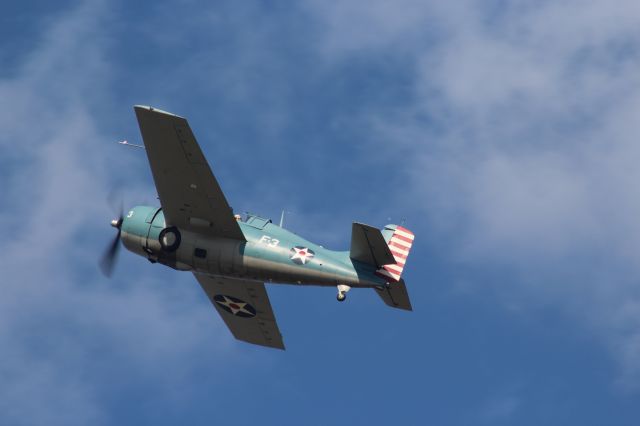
369, 246
395, 295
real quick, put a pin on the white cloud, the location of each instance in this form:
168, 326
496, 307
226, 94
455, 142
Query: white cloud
60, 324
523, 139
352, 26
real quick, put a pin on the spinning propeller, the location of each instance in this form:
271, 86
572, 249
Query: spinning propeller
110, 255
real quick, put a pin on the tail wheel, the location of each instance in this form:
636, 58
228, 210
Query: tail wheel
342, 292
170, 239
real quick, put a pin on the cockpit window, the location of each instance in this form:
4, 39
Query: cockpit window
257, 222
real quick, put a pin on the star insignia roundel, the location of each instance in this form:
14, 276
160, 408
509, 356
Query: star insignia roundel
235, 306
301, 255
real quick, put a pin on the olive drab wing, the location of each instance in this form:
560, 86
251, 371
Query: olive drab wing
189, 193
191, 199
245, 308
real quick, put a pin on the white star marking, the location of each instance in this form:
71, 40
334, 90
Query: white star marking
235, 307
304, 254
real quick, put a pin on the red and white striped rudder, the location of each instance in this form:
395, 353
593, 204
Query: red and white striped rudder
400, 244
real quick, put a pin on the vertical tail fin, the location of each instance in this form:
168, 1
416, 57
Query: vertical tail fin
399, 240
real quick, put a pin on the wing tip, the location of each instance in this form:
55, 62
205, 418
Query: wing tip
152, 109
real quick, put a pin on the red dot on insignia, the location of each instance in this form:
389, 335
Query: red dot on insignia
234, 306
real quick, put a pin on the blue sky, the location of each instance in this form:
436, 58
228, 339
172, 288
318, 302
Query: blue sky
505, 133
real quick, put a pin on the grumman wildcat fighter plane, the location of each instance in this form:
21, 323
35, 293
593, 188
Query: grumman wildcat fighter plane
195, 230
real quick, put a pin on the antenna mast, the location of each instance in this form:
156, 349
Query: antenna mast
125, 143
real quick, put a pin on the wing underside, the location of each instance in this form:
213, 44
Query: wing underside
245, 308
189, 193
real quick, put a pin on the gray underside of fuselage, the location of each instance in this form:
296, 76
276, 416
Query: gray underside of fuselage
225, 258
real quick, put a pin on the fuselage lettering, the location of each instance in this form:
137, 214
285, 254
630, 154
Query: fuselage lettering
271, 242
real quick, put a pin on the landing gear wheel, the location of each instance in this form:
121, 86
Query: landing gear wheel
342, 292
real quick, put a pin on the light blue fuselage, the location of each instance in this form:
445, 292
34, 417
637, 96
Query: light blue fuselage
269, 254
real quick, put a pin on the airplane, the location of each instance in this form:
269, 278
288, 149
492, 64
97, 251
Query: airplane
231, 257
